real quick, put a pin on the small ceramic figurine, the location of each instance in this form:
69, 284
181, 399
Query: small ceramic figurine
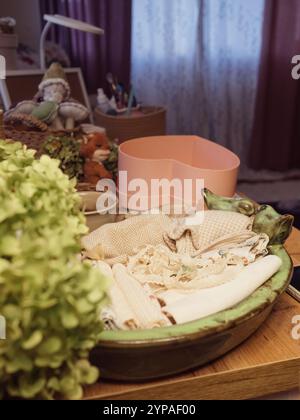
95, 150
47, 113
51, 106
240, 205
54, 86
265, 218
276, 226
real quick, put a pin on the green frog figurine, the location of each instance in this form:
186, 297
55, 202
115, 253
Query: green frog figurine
265, 218
276, 226
239, 205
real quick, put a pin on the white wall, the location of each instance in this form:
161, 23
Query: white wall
27, 15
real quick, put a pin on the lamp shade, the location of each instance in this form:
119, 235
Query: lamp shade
73, 24
67, 23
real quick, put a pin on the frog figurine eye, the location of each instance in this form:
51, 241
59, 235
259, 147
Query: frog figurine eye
246, 208
263, 207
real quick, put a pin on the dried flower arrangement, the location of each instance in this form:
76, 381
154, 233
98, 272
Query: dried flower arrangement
51, 300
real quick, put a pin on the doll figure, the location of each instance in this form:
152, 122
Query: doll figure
95, 150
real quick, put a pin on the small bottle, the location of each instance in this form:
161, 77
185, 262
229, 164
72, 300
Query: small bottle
113, 104
103, 102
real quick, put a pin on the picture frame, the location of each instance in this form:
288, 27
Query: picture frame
20, 85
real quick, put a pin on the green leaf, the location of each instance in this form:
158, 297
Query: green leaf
31, 389
33, 341
50, 346
69, 320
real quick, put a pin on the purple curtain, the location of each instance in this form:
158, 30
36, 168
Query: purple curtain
276, 134
96, 55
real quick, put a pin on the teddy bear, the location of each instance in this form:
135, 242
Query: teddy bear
95, 150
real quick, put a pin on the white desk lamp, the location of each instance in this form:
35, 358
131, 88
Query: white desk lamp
57, 20
67, 23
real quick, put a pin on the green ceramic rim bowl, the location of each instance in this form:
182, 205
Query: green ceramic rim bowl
263, 298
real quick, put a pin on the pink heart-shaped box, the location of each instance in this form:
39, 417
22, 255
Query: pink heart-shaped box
180, 157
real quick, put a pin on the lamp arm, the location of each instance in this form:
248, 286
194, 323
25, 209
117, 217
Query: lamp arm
42, 45
4, 94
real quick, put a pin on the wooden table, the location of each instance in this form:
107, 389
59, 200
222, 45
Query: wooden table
268, 363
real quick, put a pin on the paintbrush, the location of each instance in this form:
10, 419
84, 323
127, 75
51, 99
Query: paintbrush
130, 101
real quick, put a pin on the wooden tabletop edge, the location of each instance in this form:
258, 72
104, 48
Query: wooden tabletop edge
211, 376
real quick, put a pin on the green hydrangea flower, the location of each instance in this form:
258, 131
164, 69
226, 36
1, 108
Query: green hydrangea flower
51, 301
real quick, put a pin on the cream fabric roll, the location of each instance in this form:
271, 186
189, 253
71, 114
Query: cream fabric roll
211, 301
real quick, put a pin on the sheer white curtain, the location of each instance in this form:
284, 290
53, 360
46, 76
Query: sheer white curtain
200, 59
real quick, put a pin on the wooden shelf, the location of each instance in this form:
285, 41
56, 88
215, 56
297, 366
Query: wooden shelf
267, 363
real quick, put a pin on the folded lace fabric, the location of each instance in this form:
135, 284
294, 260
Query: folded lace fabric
247, 244
159, 285
171, 296
217, 224
115, 242
207, 302
132, 306
162, 269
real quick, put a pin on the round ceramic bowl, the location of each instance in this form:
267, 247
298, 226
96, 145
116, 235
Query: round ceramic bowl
143, 355
96, 218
